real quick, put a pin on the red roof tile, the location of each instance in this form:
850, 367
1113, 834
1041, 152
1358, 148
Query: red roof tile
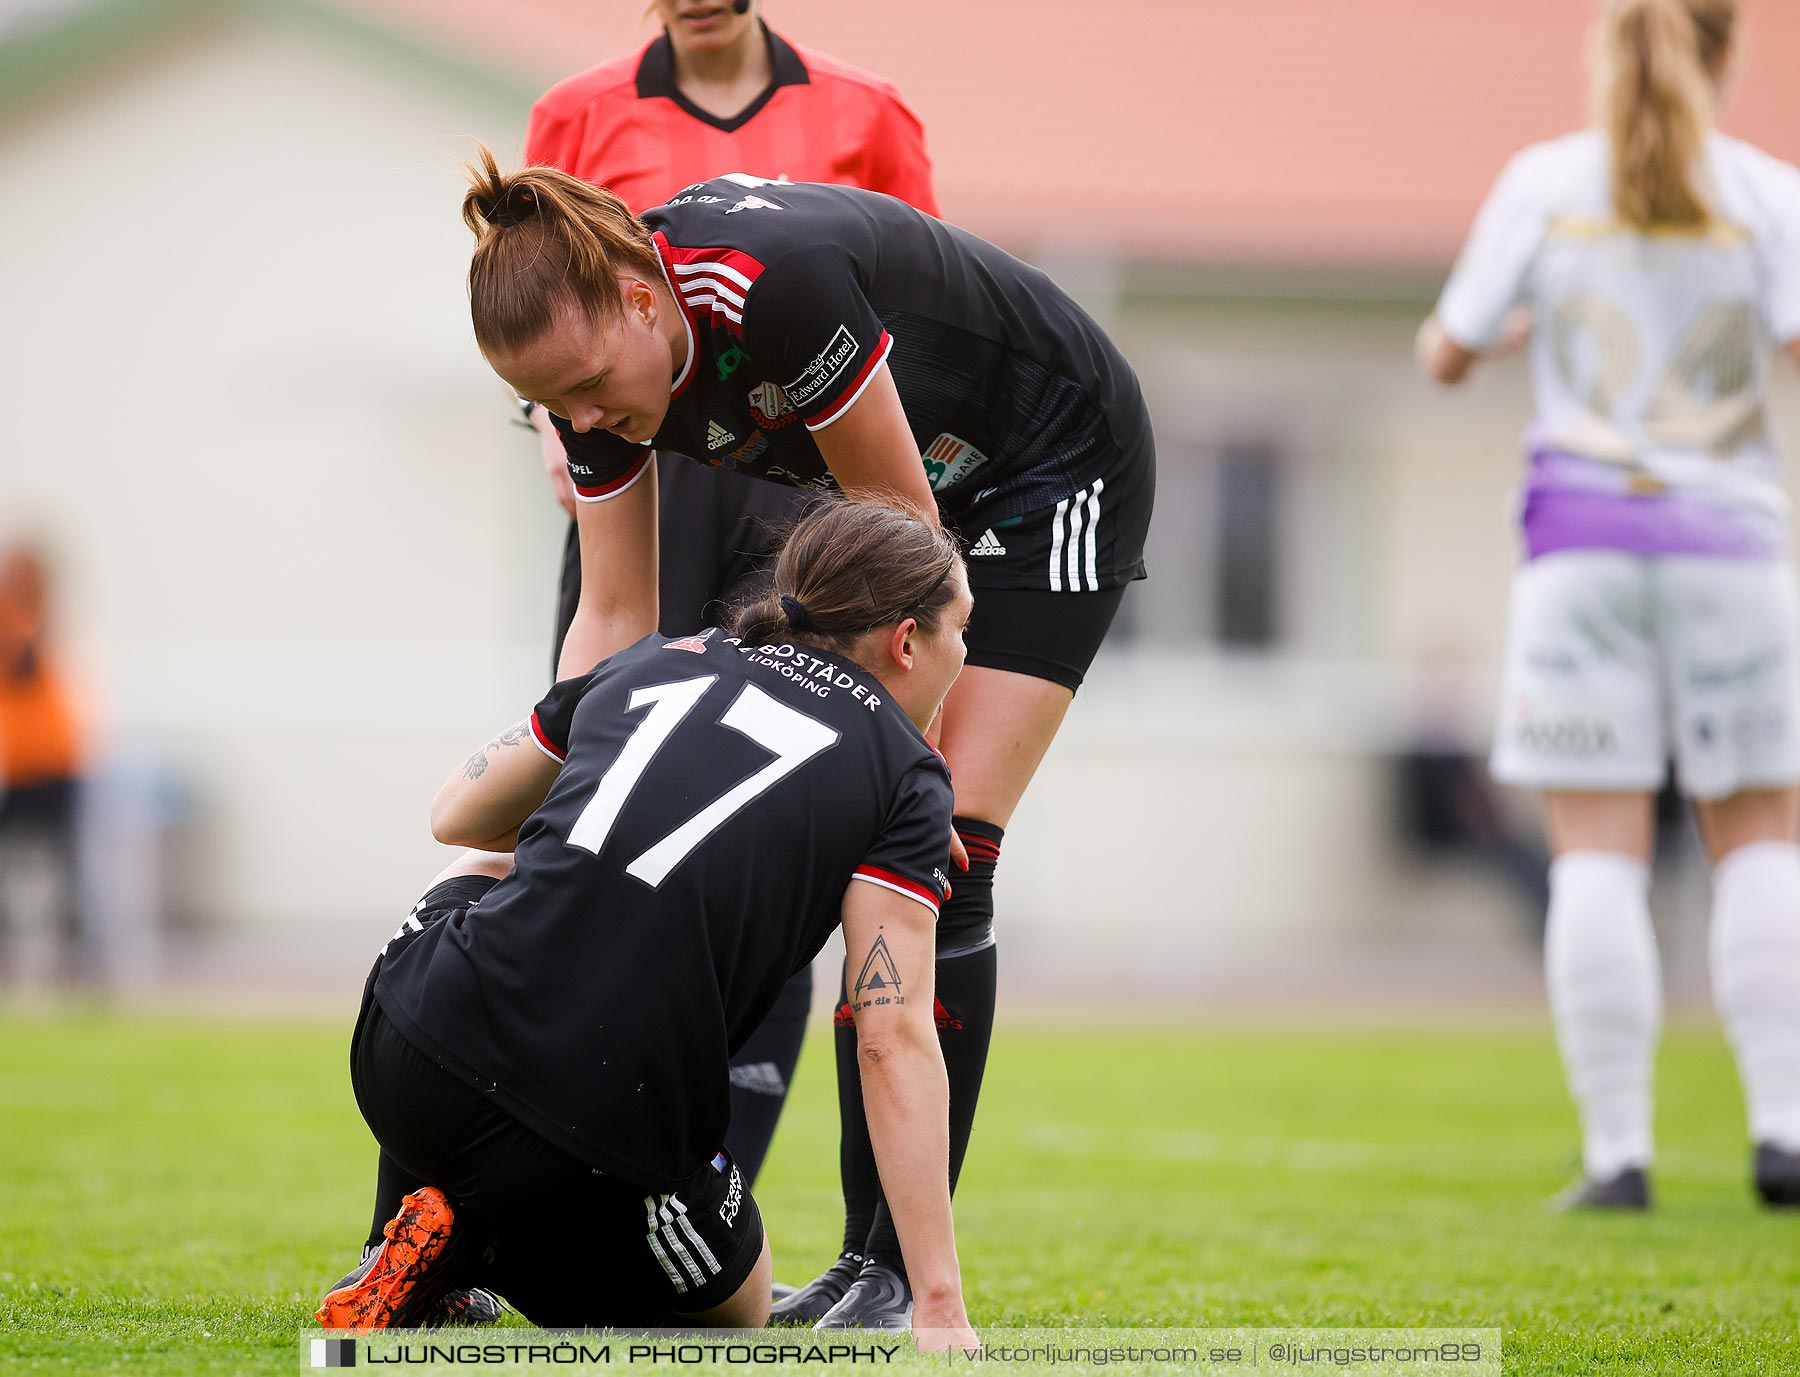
1358, 133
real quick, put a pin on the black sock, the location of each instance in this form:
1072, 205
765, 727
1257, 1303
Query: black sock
762, 1072
966, 971
393, 1183
965, 1019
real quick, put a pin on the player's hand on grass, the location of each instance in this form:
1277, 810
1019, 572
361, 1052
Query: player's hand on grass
939, 1327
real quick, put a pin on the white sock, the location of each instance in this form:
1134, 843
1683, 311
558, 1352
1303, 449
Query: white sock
1756, 981
1606, 1000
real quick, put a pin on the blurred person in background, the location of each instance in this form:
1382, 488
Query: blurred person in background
833, 339
41, 754
1448, 808
1658, 262
719, 91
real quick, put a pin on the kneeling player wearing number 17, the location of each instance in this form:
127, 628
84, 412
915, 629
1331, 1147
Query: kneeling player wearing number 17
836, 339
546, 1040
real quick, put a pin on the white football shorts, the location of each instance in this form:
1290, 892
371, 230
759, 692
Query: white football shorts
1616, 661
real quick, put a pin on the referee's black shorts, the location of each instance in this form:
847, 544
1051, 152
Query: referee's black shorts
566, 1245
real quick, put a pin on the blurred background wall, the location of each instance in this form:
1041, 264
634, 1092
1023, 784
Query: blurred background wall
306, 564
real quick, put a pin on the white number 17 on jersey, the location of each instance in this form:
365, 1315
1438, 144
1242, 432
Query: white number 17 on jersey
792, 736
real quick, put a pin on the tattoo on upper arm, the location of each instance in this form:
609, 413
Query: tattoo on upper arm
476, 765
878, 982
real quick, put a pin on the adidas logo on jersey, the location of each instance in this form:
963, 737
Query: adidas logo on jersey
989, 544
717, 437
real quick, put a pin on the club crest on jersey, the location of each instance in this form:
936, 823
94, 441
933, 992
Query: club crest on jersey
697, 644
770, 407
948, 460
717, 437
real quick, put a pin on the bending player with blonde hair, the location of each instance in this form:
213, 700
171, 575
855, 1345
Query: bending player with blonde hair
1654, 613
836, 340
718, 89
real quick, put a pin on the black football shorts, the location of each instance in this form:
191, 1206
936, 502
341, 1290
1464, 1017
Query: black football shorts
1052, 636
1048, 584
565, 1244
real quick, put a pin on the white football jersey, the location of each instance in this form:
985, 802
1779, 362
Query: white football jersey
1650, 351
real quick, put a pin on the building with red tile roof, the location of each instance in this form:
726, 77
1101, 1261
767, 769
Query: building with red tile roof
1272, 132
319, 499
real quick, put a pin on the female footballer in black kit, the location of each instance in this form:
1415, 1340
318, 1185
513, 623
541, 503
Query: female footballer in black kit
835, 339
717, 89
546, 1039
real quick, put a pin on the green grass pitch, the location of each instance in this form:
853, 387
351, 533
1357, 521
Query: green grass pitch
174, 1194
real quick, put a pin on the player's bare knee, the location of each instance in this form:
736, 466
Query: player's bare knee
754, 1297
748, 1307
1622, 821
1748, 817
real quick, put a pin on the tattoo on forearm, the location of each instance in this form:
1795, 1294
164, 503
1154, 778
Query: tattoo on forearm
879, 980
476, 765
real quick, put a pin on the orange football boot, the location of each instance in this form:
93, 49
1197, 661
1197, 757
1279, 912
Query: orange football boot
402, 1282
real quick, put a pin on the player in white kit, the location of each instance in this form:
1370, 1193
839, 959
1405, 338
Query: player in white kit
1654, 263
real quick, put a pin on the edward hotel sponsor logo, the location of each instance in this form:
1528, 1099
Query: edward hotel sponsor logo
824, 369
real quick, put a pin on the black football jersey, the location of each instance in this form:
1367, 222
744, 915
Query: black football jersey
714, 804
794, 294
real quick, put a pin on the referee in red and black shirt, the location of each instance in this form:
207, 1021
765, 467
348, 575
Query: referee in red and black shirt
717, 92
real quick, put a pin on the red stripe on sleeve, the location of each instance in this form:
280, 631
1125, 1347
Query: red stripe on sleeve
615, 486
847, 398
549, 746
912, 888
